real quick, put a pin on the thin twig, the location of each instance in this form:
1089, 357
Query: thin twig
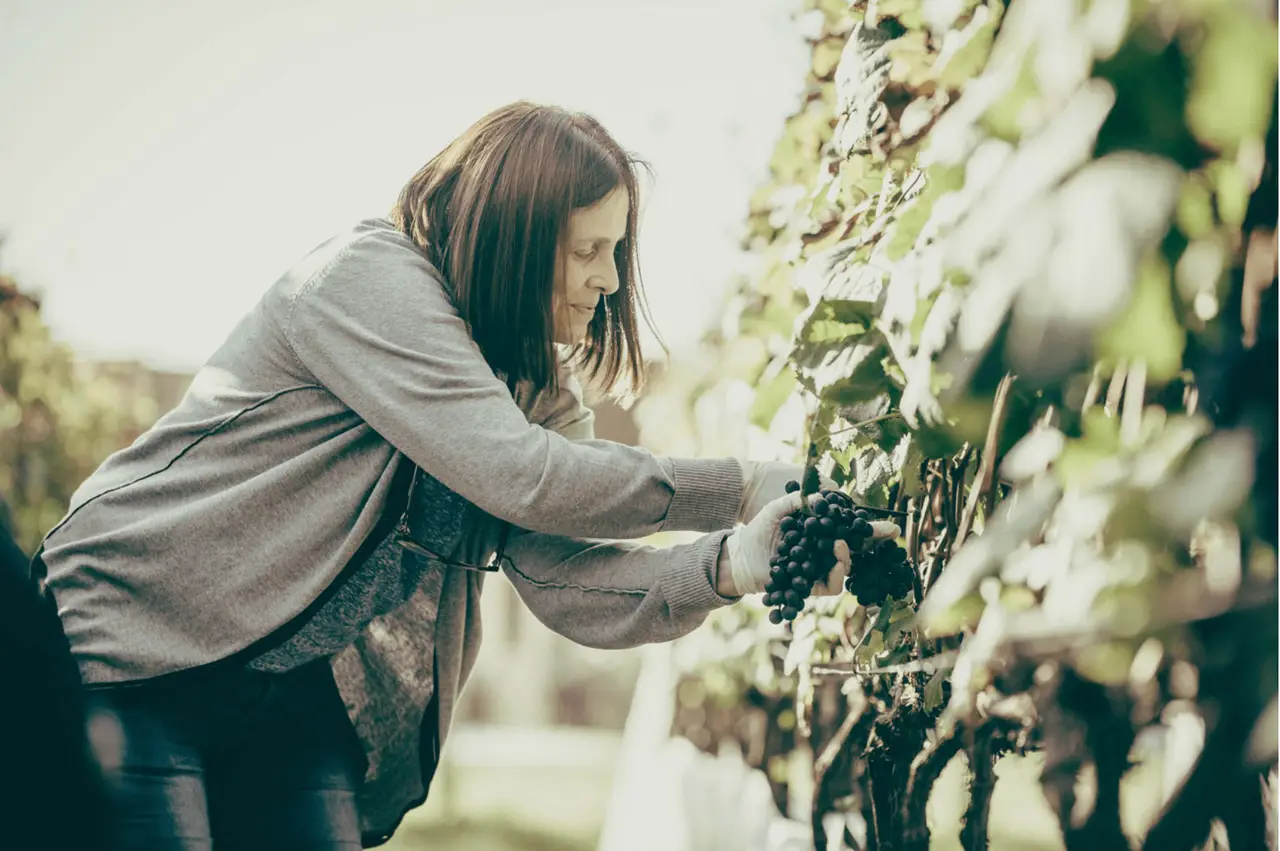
1116, 388
957, 485
1259, 272
1134, 397
986, 472
892, 415
1094, 388
928, 665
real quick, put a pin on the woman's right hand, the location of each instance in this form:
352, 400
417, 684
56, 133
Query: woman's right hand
744, 566
765, 481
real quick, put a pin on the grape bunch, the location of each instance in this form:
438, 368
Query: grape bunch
805, 556
878, 573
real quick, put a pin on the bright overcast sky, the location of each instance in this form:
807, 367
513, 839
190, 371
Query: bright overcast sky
163, 161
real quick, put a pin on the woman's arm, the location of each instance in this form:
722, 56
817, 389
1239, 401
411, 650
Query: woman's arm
377, 329
614, 595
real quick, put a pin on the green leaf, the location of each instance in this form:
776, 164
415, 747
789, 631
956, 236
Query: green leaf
826, 56
1195, 208
912, 484
776, 317
837, 320
939, 180
1107, 663
872, 647
975, 42
771, 396
1148, 329
1234, 82
871, 421
861, 77
901, 611
933, 692
1099, 441
1003, 119
964, 614
842, 374
912, 60
1230, 192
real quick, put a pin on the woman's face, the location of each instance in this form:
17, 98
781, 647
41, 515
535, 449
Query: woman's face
585, 267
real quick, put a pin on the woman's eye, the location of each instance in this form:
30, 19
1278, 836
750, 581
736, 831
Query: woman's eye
586, 255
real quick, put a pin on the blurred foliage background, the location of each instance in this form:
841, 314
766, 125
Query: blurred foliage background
59, 417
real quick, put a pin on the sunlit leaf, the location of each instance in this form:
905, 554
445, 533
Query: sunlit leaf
965, 51
1148, 330
1234, 81
1106, 663
939, 180
861, 77
770, 396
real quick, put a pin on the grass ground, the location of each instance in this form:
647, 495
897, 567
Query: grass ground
1020, 818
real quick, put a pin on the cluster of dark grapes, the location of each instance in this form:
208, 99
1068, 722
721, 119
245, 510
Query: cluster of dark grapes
879, 571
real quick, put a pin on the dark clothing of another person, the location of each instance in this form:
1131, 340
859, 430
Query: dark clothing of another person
51, 790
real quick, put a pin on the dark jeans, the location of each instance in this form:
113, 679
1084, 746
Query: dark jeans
232, 759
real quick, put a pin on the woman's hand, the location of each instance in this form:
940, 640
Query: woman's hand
743, 567
765, 481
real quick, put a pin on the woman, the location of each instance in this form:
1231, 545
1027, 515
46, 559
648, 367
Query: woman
276, 588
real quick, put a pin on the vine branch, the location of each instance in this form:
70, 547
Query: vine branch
982, 485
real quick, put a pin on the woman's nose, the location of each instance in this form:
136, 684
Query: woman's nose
606, 282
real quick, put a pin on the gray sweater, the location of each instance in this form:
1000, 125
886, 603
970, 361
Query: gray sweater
241, 507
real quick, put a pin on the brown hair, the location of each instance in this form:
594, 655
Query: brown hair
489, 211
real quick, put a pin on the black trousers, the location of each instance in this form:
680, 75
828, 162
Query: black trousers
231, 759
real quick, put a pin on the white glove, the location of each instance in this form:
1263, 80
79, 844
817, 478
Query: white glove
751, 547
765, 481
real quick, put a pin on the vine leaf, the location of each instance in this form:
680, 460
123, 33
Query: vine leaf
835, 321
771, 395
861, 77
933, 695
846, 374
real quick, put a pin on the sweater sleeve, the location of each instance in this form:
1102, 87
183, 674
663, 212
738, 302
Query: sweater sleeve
610, 594
616, 594
377, 329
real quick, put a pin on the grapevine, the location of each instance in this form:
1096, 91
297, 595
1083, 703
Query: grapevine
1019, 288
879, 569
